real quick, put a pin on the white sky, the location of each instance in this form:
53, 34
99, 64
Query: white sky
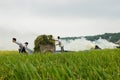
57, 17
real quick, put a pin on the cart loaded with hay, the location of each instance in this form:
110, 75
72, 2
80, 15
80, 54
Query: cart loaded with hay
44, 44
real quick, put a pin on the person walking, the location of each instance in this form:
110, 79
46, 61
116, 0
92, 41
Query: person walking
60, 44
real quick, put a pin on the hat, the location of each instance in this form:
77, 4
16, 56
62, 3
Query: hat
14, 39
26, 43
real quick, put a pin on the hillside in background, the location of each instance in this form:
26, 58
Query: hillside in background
112, 37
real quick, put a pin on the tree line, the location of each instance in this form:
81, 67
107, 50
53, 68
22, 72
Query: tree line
112, 37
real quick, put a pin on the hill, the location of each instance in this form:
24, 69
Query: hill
112, 37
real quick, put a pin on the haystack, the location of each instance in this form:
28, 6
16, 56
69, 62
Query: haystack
44, 43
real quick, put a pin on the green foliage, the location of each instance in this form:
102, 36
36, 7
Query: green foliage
43, 40
113, 37
85, 65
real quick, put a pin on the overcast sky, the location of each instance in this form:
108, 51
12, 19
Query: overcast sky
58, 17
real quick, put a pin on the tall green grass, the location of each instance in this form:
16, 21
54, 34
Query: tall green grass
84, 65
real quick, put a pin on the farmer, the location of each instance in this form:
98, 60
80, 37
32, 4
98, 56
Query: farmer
27, 49
21, 47
60, 44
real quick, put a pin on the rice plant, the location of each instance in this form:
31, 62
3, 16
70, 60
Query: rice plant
83, 65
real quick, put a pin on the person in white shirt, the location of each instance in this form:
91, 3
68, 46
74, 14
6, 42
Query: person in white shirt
60, 44
21, 47
29, 51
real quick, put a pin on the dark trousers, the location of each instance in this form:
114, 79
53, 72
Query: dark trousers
22, 50
62, 49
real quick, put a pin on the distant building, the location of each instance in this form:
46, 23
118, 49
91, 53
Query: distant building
118, 42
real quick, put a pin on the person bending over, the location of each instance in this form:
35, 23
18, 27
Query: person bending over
21, 47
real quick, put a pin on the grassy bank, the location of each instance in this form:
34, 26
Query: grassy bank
86, 65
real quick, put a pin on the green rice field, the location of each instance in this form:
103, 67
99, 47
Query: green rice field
83, 65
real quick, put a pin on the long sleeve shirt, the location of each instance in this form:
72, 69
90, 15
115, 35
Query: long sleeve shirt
20, 44
26, 48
